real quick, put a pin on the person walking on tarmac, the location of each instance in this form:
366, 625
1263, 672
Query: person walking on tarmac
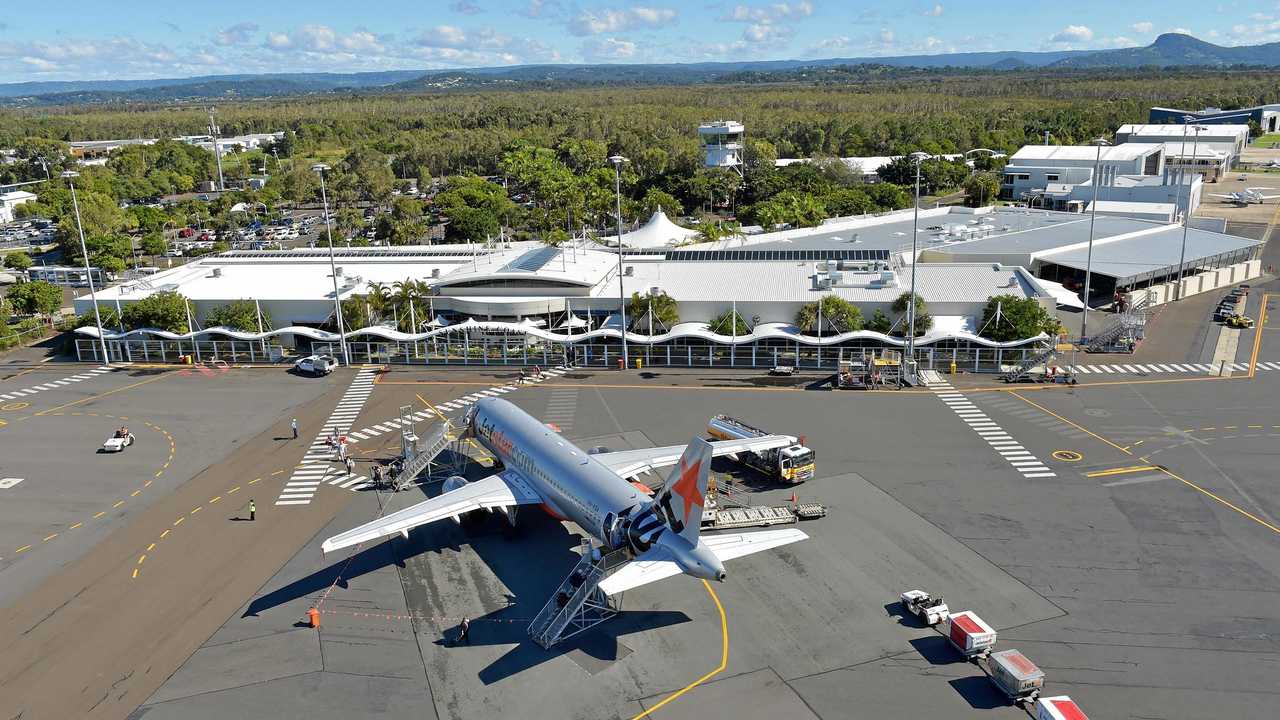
253, 510
351, 465
294, 425
464, 631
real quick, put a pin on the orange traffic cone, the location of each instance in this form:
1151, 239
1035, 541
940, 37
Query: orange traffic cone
313, 615
793, 499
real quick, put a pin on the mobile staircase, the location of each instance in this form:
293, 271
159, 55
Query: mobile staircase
579, 604
1125, 332
417, 454
1022, 371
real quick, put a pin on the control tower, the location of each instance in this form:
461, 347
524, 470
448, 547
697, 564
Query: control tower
722, 144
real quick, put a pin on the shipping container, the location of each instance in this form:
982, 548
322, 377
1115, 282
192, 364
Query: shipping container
1013, 673
968, 633
1060, 707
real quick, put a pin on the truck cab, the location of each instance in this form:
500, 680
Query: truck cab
795, 463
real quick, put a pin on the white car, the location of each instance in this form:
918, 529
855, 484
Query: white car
117, 442
316, 365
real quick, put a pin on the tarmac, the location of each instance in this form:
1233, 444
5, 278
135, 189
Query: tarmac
1142, 576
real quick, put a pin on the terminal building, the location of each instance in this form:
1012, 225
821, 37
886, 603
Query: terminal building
1265, 115
515, 301
1211, 151
1060, 177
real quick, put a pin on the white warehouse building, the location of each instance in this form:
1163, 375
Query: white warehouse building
1060, 177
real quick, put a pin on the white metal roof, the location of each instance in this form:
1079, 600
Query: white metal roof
1123, 151
1176, 131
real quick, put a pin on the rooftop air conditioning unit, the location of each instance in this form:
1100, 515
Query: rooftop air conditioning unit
820, 266
630, 270
888, 278
435, 272
217, 272
338, 271
823, 281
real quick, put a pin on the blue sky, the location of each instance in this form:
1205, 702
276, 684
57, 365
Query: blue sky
91, 39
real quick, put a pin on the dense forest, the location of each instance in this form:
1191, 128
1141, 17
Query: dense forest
550, 148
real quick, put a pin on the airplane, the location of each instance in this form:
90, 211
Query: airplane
1245, 196
661, 535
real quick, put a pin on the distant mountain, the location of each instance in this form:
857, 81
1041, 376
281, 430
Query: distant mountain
1168, 50
1177, 50
314, 82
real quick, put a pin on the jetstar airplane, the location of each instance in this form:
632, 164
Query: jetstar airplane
661, 534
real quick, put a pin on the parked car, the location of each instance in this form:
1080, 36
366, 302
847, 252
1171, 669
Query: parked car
316, 365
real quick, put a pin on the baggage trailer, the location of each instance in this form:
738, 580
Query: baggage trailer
791, 464
1015, 675
1059, 707
969, 634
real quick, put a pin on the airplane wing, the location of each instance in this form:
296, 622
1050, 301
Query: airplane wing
657, 564
496, 491
1229, 196
629, 463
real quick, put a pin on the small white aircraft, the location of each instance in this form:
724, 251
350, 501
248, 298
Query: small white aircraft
1245, 196
661, 535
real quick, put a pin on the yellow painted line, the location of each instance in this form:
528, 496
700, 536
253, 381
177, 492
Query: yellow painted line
50, 537
193, 512
135, 493
278, 472
24, 548
724, 659
255, 480
124, 417
1122, 470
135, 573
178, 522
1226, 503
159, 473
104, 512
432, 408
215, 499
102, 395
1209, 428
147, 483
1138, 443
73, 527
1072, 424
1255, 427
118, 504
142, 559
1257, 331
234, 489
151, 547
1230, 427
166, 532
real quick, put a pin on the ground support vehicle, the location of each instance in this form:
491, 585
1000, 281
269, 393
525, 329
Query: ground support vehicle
791, 464
930, 610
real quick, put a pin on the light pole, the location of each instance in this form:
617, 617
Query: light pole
1186, 215
917, 158
70, 175
617, 161
1093, 215
319, 169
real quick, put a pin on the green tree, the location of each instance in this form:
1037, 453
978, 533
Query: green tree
154, 244
110, 318
239, 315
924, 320
880, 322
838, 315
655, 199
17, 261
35, 298
164, 310
729, 323
1019, 318
665, 311
468, 224
981, 188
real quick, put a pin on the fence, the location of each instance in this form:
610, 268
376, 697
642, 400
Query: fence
175, 351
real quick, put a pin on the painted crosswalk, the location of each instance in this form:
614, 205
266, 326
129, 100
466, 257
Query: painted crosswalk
1018, 457
54, 384
562, 408
316, 467
1168, 368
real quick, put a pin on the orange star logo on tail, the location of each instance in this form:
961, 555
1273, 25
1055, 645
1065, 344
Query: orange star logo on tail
687, 487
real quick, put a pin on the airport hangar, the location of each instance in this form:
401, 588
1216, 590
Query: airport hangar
518, 302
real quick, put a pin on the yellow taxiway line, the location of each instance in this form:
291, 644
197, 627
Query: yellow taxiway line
724, 659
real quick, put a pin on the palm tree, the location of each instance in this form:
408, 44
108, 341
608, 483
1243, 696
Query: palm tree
379, 299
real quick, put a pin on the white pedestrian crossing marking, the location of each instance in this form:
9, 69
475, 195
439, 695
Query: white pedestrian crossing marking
305, 480
1000, 441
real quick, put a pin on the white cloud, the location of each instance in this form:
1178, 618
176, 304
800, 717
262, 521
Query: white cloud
608, 49
278, 41
442, 36
322, 40
237, 34
885, 36
596, 22
39, 64
777, 12
1119, 41
1072, 34
1180, 31
759, 33
935, 12
465, 7
1143, 28
831, 44
541, 8
110, 58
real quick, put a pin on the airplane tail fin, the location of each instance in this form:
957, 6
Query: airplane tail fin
685, 492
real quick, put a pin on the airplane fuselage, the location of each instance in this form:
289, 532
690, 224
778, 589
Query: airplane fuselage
574, 486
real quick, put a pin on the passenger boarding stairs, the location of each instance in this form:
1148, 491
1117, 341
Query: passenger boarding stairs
419, 454
1125, 332
1022, 371
579, 603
